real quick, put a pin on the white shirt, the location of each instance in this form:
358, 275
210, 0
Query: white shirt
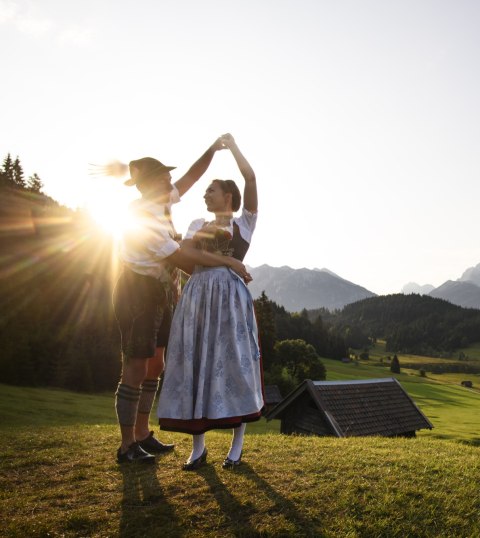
246, 223
146, 245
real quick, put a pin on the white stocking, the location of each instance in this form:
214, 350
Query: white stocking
198, 446
237, 442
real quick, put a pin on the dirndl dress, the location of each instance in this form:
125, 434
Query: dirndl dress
213, 376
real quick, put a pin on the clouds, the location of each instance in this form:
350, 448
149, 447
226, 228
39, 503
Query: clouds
28, 19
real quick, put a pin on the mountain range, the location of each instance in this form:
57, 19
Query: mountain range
465, 291
296, 289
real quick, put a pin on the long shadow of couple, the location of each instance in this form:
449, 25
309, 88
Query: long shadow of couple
147, 510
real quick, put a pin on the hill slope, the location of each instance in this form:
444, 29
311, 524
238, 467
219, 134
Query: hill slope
412, 323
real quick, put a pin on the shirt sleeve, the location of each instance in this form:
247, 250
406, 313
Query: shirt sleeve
246, 223
164, 249
174, 195
150, 241
194, 227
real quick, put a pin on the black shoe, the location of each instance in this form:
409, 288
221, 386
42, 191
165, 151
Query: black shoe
230, 464
154, 446
134, 454
195, 464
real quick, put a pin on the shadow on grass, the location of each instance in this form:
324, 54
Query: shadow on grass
239, 515
475, 441
145, 507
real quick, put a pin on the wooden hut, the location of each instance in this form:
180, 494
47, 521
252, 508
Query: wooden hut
272, 397
350, 408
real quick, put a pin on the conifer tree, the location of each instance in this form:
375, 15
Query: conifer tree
18, 175
266, 327
7, 172
34, 183
395, 365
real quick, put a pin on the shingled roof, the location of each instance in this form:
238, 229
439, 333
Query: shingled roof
359, 407
273, 395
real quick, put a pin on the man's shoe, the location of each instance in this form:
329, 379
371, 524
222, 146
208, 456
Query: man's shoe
195, 464
154, 446
134, 454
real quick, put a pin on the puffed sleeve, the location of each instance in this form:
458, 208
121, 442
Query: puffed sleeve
246, 223
194, 227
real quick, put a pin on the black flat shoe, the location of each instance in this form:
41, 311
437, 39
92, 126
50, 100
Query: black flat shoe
154, 446
195, 464
230, 464
134, 454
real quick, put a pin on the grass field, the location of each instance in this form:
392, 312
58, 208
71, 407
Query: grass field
59, 477
378, 352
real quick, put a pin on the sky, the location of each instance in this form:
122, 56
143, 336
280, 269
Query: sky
361, 118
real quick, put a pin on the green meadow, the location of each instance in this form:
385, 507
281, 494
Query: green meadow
59, 477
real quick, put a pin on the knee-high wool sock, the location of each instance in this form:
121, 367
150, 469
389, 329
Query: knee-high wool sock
237, 442
149, 390
126, 404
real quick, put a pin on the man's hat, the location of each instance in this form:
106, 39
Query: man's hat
148, 167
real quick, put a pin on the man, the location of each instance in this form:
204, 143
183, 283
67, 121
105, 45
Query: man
145, 296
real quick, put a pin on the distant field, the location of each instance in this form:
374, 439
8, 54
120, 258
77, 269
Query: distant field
378, 352
378, 356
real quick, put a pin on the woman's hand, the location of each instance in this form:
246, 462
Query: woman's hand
219, 144
227, 140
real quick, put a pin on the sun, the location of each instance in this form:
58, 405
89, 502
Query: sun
108, 207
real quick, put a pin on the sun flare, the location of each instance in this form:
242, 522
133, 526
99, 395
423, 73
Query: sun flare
109, 209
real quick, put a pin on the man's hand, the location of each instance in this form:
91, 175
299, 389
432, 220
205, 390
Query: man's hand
227, 140
219, 144
240, 269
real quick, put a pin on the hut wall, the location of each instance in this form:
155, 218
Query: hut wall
302, 417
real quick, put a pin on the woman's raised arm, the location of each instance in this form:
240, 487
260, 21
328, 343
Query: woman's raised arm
250, 197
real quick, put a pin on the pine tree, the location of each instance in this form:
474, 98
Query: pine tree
34, 184
395, 365
266, 328
7, 172
18, 175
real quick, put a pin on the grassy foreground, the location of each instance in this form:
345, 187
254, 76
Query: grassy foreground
59, 478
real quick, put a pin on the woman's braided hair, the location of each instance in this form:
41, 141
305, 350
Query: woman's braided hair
229, 186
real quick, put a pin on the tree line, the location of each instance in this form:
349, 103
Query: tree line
56, 326
292, 344
12, 175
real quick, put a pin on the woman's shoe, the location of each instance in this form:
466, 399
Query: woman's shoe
230, 464
195, 464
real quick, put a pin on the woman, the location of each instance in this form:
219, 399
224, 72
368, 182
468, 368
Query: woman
213, 377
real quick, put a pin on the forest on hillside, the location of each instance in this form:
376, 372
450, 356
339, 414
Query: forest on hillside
417, 324
57, 328
56, 323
